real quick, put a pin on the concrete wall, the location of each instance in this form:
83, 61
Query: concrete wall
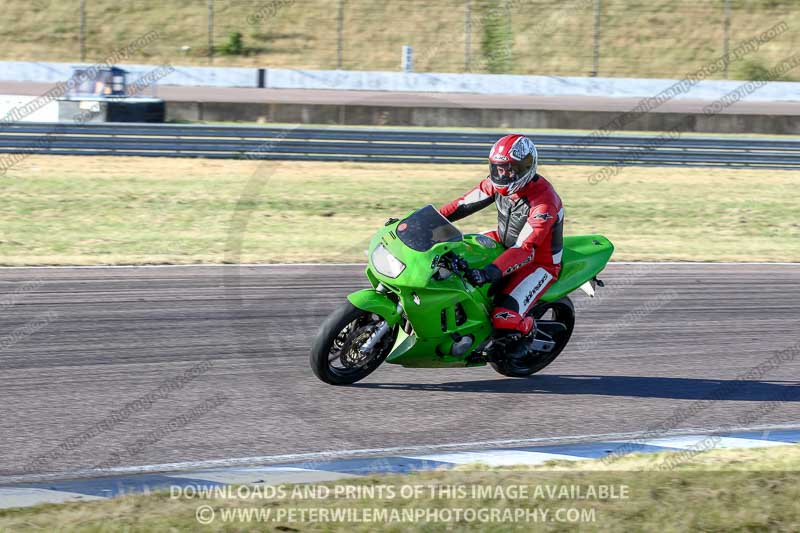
442, 115
527, 85
185, 76
47, 113
416, 82
476, 118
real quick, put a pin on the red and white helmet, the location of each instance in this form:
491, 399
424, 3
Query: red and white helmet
512, 163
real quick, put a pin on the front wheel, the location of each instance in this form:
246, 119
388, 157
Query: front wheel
350, 345
554, 323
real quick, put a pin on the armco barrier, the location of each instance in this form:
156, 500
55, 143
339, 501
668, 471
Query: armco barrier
385, 145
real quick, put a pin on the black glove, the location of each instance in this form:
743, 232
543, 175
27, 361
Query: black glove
480, 276
459, 264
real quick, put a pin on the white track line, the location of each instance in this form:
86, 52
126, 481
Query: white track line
697, 442
261, 265
497, 457
404, 451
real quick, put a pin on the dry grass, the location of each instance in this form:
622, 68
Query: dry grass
60, 210
718, 490
647, 39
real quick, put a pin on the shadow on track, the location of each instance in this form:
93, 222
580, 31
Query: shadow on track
633, 386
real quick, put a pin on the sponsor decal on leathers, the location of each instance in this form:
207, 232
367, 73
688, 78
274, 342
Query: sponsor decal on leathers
519, 265
533, 291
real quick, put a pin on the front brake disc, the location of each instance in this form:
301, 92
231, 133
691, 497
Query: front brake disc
353, 356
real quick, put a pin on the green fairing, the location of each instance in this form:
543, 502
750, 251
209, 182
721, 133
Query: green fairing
375, 302
584, 257
433, 319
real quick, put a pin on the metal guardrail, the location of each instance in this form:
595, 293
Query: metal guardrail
385, 145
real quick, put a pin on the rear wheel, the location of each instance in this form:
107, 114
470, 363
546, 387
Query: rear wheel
350, 345
554, 324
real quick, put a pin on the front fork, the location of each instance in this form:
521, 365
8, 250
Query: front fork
375, 338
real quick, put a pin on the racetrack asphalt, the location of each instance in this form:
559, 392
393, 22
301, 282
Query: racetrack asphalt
672, 345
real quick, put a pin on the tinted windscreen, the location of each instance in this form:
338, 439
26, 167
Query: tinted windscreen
425, 228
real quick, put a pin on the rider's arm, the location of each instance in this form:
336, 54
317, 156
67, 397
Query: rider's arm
537, 228
482, 195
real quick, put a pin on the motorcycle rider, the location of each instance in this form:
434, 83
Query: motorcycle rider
529, 225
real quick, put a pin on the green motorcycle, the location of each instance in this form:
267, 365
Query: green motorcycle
422, 313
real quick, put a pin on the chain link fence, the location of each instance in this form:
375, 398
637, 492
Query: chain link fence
618, 38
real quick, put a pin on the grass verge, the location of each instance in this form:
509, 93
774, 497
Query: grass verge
62, 210
717, 490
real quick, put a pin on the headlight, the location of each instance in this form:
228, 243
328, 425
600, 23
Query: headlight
385, 263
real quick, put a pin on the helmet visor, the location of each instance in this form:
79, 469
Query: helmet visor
503, 174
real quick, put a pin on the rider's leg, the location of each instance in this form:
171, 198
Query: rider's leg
518, 294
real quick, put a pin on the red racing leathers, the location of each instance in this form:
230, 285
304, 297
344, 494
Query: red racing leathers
529, 226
